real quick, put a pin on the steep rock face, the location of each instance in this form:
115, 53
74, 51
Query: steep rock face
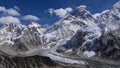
103, 43
110, 45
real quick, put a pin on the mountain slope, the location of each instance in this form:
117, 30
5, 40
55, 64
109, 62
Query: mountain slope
105, 40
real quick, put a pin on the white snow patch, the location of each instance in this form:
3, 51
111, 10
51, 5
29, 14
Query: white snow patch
105, 11
70, 50
33, 24
5, 36
82, 6
89, 53
96, 15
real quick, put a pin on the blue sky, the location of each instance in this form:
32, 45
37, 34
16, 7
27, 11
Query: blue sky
39, 8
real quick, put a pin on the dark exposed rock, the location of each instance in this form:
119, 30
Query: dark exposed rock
111, 45
26, 62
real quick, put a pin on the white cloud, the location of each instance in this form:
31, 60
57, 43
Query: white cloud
60, 12
51, 11
68, 9
10, 11
9, 19
15, 7
82, 6
13, 16
31, 17
2, 9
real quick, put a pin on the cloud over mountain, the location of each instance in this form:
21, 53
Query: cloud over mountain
31, 17
9, 19
61, 12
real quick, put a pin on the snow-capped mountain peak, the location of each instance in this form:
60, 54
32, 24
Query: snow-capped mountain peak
82, 13
34, 24
117, 5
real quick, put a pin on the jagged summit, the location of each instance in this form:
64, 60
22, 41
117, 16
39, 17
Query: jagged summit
33, 24
82, 13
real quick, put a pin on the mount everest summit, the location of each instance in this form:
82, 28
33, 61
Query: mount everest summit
79, 38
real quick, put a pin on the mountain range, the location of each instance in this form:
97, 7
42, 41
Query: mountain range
79, 39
